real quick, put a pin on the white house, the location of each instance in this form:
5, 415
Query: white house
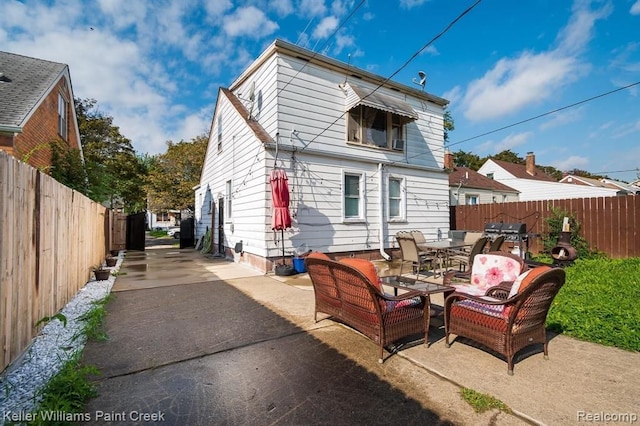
621, 187
466, 186
363, 155
533, 184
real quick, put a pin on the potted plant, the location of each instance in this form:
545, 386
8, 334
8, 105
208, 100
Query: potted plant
111, 261
101, 273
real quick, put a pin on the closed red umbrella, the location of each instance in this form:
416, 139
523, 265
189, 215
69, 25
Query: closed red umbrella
280, 198
281, 218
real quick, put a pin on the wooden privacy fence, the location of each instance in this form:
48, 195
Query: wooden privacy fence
609, 224
50, 237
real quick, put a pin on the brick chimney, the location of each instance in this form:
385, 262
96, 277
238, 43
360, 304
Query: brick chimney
448, 160
530, 162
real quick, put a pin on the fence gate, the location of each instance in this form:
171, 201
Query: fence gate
136, 227
186, 233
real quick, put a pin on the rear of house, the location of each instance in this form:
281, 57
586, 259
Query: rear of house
364, 159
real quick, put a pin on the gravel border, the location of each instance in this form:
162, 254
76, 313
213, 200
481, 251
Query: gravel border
50, 349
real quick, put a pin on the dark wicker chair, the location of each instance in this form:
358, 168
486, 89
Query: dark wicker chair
496, 244
452, 278
506, 325
346, 294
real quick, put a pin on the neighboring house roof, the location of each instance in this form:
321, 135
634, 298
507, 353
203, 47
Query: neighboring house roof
602, 183
520, 171
25, 82
472, 179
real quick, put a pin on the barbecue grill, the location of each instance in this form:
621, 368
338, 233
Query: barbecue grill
515, 233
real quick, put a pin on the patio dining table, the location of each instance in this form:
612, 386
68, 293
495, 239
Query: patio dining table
442, 249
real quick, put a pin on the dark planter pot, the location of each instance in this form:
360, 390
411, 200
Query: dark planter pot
111, 261
102, 274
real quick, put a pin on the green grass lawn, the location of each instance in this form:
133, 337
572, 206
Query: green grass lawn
599, 303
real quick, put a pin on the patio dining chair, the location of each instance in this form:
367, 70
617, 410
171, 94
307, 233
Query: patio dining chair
466, 260
411, 253
496, 244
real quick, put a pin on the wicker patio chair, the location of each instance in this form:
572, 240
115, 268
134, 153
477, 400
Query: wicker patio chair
346, 294
493, 269
465, 260
410, 252
506, 325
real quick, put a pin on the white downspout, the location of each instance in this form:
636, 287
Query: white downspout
381, 208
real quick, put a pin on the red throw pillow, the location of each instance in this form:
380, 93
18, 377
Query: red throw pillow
367, 269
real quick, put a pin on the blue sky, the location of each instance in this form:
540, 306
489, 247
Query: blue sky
155, 66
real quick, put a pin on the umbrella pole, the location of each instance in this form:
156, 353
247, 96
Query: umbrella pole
282, 242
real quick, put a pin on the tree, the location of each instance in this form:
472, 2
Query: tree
173, 175
448, 124
508, 156
114, 173
467, 159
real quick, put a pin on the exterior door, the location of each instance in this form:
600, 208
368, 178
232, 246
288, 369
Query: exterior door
221, 225
136, 227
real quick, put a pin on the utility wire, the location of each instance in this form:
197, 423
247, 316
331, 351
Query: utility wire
548, 113
407, 62
315, 53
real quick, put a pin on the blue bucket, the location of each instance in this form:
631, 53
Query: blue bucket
298, 265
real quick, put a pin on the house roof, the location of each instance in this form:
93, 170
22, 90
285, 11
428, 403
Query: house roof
603, 183
520, 171
348, 70
472, 179
585, 180
257, 129
24, 83
360, 96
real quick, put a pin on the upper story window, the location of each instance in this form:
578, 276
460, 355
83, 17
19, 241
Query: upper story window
471, 199
377, 120
490, 175
62, 116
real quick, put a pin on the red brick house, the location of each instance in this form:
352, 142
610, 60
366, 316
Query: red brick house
36, 108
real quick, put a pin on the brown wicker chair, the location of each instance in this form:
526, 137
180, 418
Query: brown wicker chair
346, 294
506, 325
461, 279
496, 244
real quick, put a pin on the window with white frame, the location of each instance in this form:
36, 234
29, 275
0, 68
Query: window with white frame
353, 193
373, 127
229, 194
396, 198
471, 199
62, 116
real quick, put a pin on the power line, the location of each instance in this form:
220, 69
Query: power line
548, 113
407, 62
315, 53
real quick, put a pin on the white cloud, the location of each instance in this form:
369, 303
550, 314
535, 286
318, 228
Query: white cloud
249, 21
412, 3
325, 28
531, 78
635, 8
514, 83
282, 7
123, 13
561, 118
453, 96
216, 8
511, 141
572, 162
312, 7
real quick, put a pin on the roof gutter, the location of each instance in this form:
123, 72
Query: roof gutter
10, 129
